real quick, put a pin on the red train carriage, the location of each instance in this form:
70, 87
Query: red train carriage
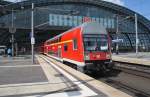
40, 49
86, 46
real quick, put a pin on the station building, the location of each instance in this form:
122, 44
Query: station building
52, 17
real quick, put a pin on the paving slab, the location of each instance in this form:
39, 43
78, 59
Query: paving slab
19, 77
14, 75
142, 58
20, 70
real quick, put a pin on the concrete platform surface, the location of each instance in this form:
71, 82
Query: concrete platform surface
48, 78
20, 78
142, 58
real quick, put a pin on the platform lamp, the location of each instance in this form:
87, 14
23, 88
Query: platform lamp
12, 30
117, 34
136, 32
32, 33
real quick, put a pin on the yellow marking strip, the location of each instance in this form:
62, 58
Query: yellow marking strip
60, 42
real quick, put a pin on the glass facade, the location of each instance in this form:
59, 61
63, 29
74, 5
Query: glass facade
67, 20
61, 15
126, 41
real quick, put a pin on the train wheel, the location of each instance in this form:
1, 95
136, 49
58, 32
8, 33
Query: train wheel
81, 69
104, 69
75, 66
110, 65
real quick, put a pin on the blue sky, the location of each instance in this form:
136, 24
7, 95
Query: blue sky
140, 6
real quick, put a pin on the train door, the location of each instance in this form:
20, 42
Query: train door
59, 51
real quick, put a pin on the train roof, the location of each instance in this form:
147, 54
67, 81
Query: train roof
88, 28
93, 28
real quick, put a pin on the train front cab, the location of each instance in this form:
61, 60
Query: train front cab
97, 53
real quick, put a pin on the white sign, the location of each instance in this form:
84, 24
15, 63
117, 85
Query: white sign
32, 40
117, 40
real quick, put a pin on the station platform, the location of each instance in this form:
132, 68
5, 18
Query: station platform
48, 78
142, 58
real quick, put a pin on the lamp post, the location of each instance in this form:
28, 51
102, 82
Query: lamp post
12, 30
12, 33
136, 32
32, 33
117, 35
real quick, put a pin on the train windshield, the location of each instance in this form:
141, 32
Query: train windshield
95, 43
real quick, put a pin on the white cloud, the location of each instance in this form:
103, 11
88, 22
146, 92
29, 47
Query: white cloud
119, 2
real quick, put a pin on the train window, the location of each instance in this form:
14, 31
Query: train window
75, 44
96, 43
65, 47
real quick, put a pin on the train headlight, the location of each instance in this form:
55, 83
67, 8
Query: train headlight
87, 57
108, 56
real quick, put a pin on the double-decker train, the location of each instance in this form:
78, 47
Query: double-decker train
87, 47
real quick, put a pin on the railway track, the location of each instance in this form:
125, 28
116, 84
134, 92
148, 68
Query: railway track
132, 79
126, 88
139, 70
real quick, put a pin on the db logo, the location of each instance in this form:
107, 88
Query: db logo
98, 56
86, 19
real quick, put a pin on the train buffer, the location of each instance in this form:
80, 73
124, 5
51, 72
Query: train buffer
142, 58
48, 78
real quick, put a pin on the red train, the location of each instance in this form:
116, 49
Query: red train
87, 47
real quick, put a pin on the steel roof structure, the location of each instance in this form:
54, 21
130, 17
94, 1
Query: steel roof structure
115, 9
100, 3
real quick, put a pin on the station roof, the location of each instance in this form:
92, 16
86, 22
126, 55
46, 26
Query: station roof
120, 9
2, 2
99, 3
